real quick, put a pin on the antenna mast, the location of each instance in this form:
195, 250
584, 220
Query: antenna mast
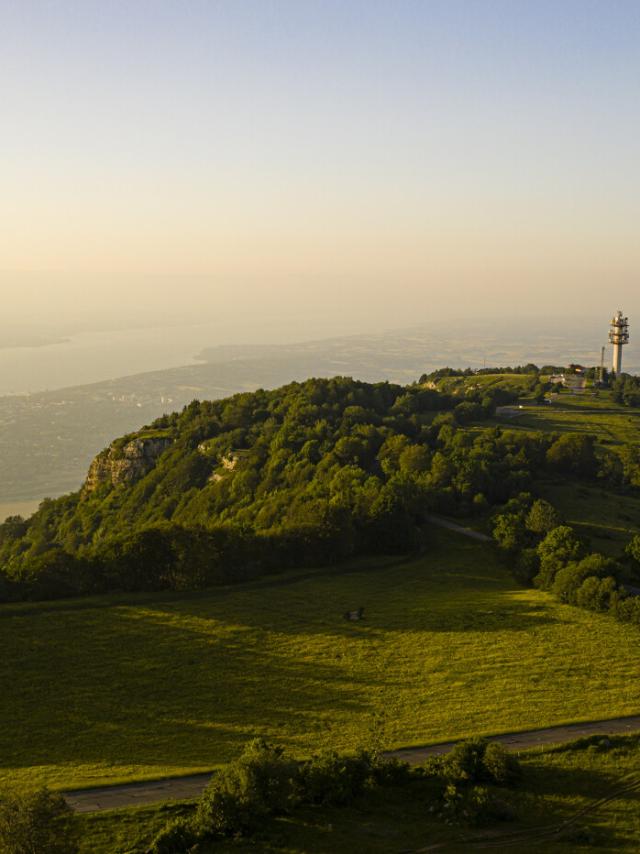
618, 335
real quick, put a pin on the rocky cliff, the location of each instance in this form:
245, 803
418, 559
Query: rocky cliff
125, 463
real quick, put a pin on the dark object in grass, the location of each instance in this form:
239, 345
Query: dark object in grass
355, 616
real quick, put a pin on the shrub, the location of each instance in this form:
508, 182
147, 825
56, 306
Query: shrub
258, 784
464, 764
479, 761
597, 594
501, 767
476, 806
390, 772
569, 579
331, 779
39, 822
628, 610
176, 837
481, 807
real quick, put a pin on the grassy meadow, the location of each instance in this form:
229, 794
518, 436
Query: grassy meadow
557, 783
609, 427
107, 689
606, 519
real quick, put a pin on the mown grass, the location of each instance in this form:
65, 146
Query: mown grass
557, 783
109, 689
609, 428
517, 382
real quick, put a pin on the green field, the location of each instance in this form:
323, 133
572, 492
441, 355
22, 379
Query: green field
167, 683
522, 383
557, 784
607, 520
609, 427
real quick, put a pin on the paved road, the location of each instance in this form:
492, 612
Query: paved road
183, 788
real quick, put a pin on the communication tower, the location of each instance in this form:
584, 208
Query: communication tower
618, 335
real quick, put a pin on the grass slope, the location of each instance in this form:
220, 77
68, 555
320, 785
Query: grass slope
557, 784
164, 684
610, 427
606, 519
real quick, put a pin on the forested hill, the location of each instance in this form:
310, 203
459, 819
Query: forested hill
309, 473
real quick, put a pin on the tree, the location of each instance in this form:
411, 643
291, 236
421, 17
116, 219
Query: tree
414, 460
13, 528
559, 547
538, 393
573, 453
633, 548
468, 411
39, 822
509, 532
542, 518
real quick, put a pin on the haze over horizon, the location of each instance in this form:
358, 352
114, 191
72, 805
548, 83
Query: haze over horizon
368, 164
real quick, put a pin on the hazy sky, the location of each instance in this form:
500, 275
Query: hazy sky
376, 159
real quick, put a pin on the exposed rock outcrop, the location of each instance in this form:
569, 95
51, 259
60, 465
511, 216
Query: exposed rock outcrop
125, 463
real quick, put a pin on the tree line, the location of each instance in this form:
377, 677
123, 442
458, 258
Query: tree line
547, 553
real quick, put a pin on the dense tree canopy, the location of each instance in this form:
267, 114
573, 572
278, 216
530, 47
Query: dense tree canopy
309, 473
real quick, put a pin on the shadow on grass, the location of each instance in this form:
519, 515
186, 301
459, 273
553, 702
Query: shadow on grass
185, 680
129, 691
555, 795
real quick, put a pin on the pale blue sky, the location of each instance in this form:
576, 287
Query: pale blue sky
323, 149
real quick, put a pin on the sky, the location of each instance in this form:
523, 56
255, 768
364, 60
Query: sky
374, 162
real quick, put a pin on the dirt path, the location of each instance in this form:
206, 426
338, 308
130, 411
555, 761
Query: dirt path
531, 738
459, 529
183, 788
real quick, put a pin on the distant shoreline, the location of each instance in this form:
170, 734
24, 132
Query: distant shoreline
18, 508
32, 343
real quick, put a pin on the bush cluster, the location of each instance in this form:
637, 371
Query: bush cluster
264, 782
474, 775
37, 822
480, 761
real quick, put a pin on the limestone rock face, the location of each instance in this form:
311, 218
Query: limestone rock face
125, 464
